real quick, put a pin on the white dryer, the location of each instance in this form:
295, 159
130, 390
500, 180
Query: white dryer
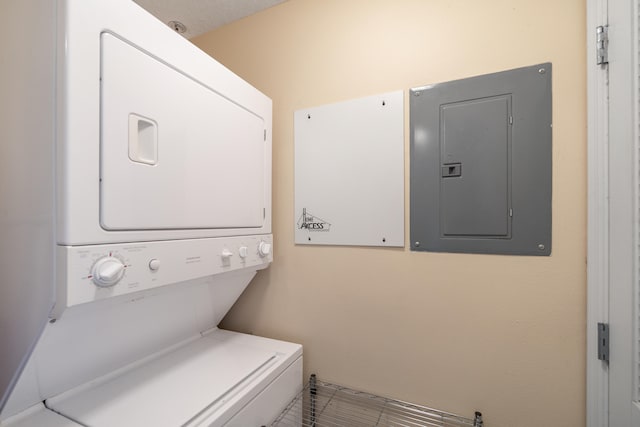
139, 210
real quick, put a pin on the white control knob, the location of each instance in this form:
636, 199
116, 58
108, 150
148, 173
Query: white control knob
264, 249
243, 251
107, 271
154, 264
226, 254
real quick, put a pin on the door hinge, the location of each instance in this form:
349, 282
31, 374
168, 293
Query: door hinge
602, 44
603, 341
265, 134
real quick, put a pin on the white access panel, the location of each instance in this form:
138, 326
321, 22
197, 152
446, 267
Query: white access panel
172, 155
349, 172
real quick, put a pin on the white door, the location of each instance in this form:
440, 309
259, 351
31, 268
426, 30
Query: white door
623, 204
614, 203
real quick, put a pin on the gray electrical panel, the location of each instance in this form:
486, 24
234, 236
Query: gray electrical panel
481, 164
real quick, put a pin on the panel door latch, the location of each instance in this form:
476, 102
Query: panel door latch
603, 341
451, 170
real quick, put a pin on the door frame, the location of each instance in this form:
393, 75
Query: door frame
612, 267
597, 218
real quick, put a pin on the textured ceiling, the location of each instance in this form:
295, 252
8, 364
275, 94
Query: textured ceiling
200, 16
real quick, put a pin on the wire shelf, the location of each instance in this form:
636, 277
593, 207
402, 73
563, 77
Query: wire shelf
323, 404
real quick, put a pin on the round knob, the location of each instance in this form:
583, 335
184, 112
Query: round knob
264, 249
154, 264
107, 271
243, 251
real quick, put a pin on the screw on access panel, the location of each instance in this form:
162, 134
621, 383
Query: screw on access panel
541, 247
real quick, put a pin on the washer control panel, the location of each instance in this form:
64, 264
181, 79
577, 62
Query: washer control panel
104, 271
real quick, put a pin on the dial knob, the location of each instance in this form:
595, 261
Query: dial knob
264, 249
107, 271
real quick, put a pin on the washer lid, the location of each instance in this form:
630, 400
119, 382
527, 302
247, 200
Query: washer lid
168, 391
38, 416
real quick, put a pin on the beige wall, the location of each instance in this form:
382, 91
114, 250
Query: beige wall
501, 334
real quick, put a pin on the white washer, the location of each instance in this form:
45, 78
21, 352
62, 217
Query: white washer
219, 379
149, 212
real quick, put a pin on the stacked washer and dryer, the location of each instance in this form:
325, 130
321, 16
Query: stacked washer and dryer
136, 194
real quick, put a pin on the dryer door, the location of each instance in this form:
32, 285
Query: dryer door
175, 154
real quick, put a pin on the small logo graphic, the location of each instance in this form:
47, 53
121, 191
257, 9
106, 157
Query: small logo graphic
312, 223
